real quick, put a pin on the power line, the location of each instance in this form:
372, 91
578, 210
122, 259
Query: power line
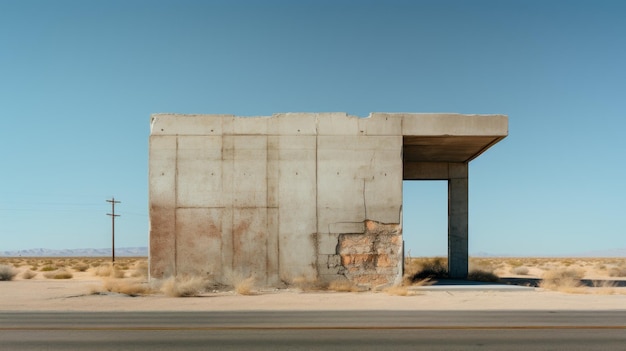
113, 215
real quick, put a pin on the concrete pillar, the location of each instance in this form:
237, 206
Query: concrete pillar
458, 223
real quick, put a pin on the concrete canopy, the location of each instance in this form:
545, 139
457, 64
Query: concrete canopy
432, 141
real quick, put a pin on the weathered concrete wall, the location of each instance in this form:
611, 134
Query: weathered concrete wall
302, 195
269, 196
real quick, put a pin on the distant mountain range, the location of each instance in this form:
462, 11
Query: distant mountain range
598, 253
604, 253
119, 251
143, 252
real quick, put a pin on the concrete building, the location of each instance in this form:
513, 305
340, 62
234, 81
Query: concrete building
313, 196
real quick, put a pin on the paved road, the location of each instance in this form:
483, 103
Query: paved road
352, 330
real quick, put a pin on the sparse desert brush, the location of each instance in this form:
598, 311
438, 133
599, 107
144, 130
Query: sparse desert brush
564, 280
48, 268
127, 287
184, 286
103, 270
80, 267
242, 284
245, 286
7, 272
342, 285
433, 268
117, 273
108, 270
28, 274
140, 269
306, 284
479, 275
60, 274
520, 270
411, 266
617, 271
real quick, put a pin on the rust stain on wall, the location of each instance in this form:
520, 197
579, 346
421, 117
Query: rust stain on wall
162, 242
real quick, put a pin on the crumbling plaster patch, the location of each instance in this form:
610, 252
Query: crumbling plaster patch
372, 257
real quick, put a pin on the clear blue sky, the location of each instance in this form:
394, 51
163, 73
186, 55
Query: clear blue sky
79, 80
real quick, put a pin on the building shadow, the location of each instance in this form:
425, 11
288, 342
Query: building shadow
534, 282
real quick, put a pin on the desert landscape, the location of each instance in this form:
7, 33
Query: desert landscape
93, 284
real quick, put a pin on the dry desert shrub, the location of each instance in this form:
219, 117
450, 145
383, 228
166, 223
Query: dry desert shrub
306, 284
140, 270
127, 287
48, 268
480, 275
80, 267
184, 286
7, 272
245, 286
430, 268
60, 274
482, 270
342, 285
617, 271
28, 274
564, 280
108, 270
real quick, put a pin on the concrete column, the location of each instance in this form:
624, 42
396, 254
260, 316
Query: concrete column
457, 226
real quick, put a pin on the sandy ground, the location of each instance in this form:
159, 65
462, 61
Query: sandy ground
85, 292
76, 295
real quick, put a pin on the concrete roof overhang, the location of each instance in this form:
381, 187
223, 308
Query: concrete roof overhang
449, 138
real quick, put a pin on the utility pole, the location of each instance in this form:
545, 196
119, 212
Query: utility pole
113, 215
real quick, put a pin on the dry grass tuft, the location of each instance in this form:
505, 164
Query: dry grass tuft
59, 274
479, 275
7, 272
184, 286
617, 271
430, 268
127, 287
341, 285
140, 270
242, 285
563, 280
48, 268
107, 270
80, 267
245, 286
28, 274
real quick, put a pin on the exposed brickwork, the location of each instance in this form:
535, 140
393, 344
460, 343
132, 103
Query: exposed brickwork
373, 257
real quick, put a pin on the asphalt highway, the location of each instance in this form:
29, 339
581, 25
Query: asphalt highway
345, 330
